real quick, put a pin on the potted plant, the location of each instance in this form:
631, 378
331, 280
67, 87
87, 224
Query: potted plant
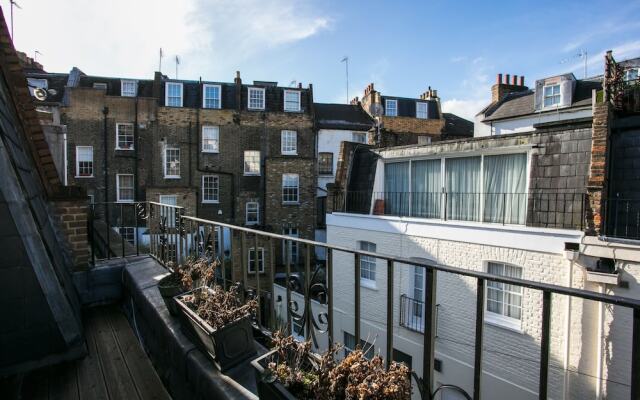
291, 371
193, 273
221, 323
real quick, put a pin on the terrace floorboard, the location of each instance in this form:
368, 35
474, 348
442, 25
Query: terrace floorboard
116, 366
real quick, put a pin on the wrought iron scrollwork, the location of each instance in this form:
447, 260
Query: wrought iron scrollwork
319, 325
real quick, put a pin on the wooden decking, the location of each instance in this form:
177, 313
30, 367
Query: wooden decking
116, 367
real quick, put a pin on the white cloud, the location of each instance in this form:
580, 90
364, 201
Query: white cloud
123, 37
464, 108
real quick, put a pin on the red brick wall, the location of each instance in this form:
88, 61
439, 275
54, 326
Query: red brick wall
72, 222
597, 175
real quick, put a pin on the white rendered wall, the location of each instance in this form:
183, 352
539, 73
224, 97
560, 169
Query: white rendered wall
511, 358
329, 141
525, 124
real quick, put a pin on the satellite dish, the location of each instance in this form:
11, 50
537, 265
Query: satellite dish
376, 109
40, 94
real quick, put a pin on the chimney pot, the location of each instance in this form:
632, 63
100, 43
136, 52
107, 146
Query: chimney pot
515, 80
506, 80
499, 79
522, 81
299, 85
238, 74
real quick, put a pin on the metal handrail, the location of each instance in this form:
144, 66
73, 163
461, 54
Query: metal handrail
193, 237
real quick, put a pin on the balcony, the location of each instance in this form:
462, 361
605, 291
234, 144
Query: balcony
536, 209
166, 235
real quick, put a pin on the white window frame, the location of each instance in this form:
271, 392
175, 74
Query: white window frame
215, 189
426, 109
386, 107
559, 95
323, 172
250, 262
126, 229
124, 82
78, 162
166, 93
255, 210
368, 264
168, 212
133, 188
285, 142
256, 89
297, 187
128, 124
284, 99
628, 72
502, 320
216, 138
355, 137
205, 98
294, 250
250, 172
164, 163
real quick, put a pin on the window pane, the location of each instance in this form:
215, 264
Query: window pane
396, 186
124, 136
463, 188
391, 108
421, 110
325, 163
426, 188
291, 100
290, 188
210, 188
210, 138
172, 162
504, 299
289, 142
256, 98
505, 180
84, 161
211, 96
252, 162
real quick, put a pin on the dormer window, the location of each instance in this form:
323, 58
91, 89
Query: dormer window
211, 96
391, 108
291, 100
173, 94
256, 99
551, 95
128, 88
421, 110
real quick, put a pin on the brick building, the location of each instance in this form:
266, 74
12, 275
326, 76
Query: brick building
238, 153
404, 121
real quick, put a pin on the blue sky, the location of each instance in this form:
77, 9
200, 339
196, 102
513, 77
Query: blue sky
456, 47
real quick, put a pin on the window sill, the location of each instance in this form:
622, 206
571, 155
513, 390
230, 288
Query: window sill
369, 284
83, 176
293, 111
212, 108
255, 109
211, 151
503, 322
124, 148
253, 273
210, 201
245, 174
325, 173
124, 201
171, 177
289, 154
290, 203
251, 223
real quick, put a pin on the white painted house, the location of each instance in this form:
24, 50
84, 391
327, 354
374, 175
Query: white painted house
474, 204
336, 123
515, 108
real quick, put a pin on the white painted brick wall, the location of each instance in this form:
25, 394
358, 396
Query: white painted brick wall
511, 359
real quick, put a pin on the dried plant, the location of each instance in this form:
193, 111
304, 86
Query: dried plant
194, 272
219, 307
308, 376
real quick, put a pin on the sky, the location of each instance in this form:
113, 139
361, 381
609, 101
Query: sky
456, 47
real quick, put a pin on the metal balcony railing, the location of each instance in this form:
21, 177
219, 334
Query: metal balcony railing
174, 236
622, 218
539, 209
411, 313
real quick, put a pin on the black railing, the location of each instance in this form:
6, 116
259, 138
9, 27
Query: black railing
622, 218
196, 237
411, 313
540, 209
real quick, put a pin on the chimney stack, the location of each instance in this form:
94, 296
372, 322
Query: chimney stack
507, 85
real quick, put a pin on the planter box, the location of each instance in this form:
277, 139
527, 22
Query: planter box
168, 290
227, 346
270, 390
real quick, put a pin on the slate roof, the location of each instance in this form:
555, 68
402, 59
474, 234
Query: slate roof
455, 126
342, 116
523, 103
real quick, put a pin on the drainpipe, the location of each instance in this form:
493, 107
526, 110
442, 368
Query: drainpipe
105, 112
601, 289
135, 154
567, 334
263, 177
